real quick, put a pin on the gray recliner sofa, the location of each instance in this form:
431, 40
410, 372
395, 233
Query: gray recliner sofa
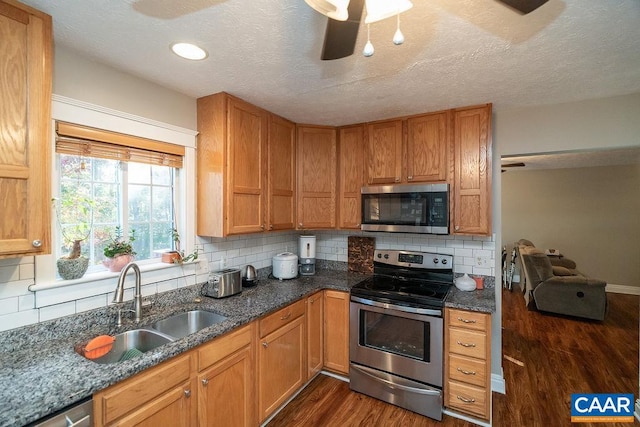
560, 288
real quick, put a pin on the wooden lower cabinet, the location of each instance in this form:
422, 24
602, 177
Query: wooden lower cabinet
315, 338
163, 391
282, 367
336, 331
226, 382
468, 362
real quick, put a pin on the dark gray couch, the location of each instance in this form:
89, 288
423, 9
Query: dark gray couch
560, 288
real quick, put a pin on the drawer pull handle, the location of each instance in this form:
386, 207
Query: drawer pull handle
468, 345
465, 400
467, 320
466, 372
286, 316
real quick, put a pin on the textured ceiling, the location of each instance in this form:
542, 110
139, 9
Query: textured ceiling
457, 53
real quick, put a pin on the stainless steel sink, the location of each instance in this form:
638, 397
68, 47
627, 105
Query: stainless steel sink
183, 324
133, 343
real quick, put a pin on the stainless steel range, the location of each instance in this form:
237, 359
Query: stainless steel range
396, 330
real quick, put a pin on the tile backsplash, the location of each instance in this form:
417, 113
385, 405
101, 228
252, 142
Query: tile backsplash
19, 306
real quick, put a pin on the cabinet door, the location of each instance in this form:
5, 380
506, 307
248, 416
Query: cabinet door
246, 157
173, 408
336, 331
226, 392
282, 368
384, 152
25, 120
427, 142
351, 175
472, 171
316, 177
282, 173
315, 339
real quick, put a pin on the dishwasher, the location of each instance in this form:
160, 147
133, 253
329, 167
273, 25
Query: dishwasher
79, 414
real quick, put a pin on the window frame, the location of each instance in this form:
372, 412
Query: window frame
85, 114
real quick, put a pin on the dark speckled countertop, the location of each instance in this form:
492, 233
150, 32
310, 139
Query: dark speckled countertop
41, 373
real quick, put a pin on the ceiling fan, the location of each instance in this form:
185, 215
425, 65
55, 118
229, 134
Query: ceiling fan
345, 15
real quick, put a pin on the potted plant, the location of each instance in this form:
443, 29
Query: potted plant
119, 252
177, 256
78, 212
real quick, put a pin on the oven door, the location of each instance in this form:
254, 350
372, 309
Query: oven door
389, 338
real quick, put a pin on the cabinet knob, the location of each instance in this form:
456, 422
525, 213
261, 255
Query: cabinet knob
206, 381
187, 393
36, 243
265, 344
262, 227
457, 227
409, 178
300, 225
397, 179
270, 226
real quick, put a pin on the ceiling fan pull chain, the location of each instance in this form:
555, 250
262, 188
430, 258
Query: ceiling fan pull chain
368, 48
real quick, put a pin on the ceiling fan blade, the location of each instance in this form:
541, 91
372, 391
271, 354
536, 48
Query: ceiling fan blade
524, 6
514, 165
340, 36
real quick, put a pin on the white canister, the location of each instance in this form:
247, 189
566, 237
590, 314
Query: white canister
285, 265
465, 283
307, 247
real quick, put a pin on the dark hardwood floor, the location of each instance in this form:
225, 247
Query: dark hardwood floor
546, 358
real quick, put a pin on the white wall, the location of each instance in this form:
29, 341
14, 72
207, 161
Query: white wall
83, 79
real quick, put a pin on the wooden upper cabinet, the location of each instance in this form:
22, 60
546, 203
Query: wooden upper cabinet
427, 146
316, 177
350, 175
246, 168
282, 173
472, 171
25, 136
246, 157
384, 152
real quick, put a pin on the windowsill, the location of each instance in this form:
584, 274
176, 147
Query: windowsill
101, 275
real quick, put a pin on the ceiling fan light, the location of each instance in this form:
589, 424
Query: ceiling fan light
334, 9
377, 10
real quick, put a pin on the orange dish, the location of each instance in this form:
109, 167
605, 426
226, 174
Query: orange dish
99, 346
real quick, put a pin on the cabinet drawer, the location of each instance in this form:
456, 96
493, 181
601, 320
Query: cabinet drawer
122, 398
468, 398
221, 347
281, 317
468, 343
468, 319
467, 370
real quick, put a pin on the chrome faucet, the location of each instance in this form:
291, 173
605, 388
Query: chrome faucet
119, 293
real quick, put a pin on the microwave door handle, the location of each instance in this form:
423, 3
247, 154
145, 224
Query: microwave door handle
391, 384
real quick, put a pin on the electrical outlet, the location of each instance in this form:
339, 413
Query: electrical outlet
483, 262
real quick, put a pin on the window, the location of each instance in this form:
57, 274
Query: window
110, 182
98, 195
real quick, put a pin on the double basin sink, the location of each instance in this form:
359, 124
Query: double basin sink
135, 342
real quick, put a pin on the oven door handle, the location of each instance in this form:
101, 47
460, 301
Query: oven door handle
402, 308
393, 385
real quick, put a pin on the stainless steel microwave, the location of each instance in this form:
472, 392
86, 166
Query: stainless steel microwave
413, 208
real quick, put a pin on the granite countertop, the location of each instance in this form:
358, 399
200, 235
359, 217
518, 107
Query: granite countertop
42, 373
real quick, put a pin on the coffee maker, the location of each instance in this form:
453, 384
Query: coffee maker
307, 255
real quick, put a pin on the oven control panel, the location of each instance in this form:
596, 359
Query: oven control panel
427, 260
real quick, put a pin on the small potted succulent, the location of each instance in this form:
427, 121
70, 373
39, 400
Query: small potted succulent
119, 252
177, 256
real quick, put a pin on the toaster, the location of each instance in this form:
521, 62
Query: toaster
223, 283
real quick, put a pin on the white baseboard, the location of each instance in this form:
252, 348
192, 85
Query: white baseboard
623, 289
498, 384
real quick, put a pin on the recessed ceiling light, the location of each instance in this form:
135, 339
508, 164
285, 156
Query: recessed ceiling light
189, 51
